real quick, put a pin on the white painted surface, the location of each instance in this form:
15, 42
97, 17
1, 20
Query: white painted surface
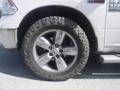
8, 38
94, 12
112, 37
98, 14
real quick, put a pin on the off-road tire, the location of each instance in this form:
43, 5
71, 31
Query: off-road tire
50, 22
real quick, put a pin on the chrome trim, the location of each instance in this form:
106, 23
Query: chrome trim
110, 58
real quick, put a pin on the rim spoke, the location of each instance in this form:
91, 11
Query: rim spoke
72, 51
60, 35
61, 64
44, 59
43, 43
50, 56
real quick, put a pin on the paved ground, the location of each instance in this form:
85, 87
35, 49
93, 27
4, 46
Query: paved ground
15, 76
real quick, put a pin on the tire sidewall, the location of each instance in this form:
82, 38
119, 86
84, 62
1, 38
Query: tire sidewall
68, 27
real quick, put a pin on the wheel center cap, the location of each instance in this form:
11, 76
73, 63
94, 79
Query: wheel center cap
56, 51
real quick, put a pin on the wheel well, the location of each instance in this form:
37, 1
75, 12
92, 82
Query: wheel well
67, 12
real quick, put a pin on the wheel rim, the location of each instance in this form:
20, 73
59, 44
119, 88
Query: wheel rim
55, 50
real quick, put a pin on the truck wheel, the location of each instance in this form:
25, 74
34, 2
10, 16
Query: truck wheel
55, 48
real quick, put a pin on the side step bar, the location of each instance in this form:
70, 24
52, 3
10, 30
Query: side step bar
110, 58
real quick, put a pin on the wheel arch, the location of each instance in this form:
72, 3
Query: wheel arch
63, 11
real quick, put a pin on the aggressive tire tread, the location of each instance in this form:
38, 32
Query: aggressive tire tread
55, 20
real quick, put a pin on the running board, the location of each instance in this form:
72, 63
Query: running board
110, 58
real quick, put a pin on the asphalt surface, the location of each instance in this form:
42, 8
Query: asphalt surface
96, 76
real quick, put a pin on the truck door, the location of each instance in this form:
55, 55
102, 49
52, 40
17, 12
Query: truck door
112, 34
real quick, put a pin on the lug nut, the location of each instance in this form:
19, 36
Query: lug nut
56, 45
51, 54
57, 56
61, 51
50, 47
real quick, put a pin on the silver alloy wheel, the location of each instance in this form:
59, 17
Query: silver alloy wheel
55, 50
